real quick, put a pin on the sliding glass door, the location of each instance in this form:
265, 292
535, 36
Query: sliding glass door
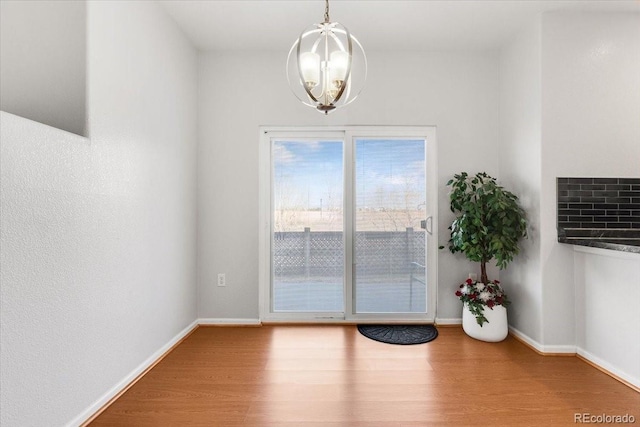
346, 224
389, 245
307, 248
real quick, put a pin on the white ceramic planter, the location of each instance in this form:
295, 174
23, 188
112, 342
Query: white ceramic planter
495, 330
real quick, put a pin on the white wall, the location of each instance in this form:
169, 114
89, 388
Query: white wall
99, 235
457, 92
569, 106
43, 62
590, 127
520, 169
608, 319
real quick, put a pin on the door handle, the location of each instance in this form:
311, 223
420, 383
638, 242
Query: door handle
427, 224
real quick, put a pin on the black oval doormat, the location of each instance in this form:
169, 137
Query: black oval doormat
400, 334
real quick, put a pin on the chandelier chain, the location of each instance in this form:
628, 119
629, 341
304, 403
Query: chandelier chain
326, 11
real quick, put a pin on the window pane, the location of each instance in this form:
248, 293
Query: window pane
389, 243
308, 244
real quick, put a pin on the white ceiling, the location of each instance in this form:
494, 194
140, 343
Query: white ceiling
378, 24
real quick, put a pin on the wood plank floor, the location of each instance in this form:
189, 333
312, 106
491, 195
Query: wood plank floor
332, 376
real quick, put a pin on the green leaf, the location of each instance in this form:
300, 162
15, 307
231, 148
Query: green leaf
489, 223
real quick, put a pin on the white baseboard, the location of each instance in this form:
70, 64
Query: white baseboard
228, 321
453, 321
98, 404
552, 349
609, 367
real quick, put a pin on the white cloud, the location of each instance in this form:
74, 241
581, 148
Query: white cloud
282, 154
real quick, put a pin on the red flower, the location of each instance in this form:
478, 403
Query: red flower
458, 293
469, 281
490, 304
473, 296
499, 299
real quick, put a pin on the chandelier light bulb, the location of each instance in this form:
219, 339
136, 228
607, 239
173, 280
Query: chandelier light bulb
339, 63
310, 69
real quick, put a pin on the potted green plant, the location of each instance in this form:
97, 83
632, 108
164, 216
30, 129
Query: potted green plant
489, 225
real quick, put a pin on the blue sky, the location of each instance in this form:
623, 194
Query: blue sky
307, 172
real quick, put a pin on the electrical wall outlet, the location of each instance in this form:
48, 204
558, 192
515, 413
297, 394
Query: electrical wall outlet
472, 276
222, 281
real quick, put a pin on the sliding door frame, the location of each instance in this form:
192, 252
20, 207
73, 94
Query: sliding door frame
347, 134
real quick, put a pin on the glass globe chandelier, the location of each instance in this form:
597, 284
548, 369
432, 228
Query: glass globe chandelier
326, 66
